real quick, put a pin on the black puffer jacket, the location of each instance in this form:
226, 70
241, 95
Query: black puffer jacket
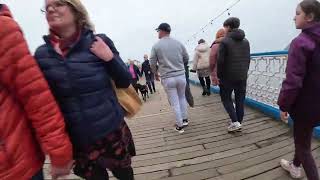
234, 56
146, 69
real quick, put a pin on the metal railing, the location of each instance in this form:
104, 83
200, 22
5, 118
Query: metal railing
266, 73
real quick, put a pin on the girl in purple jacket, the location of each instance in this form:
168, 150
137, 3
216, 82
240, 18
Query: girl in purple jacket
300, 93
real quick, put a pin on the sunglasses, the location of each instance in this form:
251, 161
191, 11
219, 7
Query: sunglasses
55, 5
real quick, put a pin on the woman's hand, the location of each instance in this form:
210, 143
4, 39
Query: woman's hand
215, 81
101, 50
284, 116
57, 172
157, 77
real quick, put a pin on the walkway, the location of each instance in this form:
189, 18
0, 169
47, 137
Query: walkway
206, 150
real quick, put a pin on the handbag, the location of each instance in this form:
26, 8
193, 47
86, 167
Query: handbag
128, 99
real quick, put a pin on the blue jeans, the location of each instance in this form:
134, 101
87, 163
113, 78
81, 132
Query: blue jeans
38, 176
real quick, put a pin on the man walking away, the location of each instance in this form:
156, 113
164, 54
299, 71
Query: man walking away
233, 66
171, 56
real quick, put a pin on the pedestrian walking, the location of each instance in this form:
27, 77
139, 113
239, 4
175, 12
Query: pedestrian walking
172, 56
233, 65
80, 67
201, 65
299, 95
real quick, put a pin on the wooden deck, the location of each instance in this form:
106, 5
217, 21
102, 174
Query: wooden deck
206, 150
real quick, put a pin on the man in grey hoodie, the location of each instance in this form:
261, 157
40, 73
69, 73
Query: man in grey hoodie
171, 56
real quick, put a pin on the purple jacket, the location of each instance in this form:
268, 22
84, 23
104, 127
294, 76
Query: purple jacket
300, 93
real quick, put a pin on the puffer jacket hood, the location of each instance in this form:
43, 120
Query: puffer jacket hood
203, 47
201, 57
237, 34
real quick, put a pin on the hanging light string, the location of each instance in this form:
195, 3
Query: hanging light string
212, 21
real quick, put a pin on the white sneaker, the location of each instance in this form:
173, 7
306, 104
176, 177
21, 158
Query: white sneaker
239, 126
185, 122
295, 172
234, 127
179, 129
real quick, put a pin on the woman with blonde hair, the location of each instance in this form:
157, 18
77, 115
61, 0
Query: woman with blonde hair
79, 67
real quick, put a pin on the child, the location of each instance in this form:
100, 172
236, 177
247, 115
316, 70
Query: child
299, 95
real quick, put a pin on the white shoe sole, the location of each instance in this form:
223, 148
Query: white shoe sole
284, 167
179, 131
234, 130
288, 170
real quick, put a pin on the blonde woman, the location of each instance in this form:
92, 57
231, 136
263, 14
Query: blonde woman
79, 67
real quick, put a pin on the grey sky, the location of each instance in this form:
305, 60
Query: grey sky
130, 23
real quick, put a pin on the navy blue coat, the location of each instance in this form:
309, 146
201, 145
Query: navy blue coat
81, 83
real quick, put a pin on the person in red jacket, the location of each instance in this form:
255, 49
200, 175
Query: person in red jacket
31, 123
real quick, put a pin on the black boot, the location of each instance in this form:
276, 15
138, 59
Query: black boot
204, 91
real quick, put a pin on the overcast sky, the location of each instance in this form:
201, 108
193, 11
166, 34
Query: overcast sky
130, 24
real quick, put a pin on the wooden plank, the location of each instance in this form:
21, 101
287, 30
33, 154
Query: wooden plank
233, 159
255, 170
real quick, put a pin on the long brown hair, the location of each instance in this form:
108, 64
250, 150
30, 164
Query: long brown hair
311, 7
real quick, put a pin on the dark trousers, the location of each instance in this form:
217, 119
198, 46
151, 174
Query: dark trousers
38, 176
239, 89
151, 83
121, 174
302, 132
205, 84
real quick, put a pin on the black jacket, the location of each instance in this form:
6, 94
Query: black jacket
234, 56
146, 69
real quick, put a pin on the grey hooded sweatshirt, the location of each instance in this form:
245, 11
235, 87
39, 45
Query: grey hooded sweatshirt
171, 56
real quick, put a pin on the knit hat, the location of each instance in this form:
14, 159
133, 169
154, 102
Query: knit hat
221, 33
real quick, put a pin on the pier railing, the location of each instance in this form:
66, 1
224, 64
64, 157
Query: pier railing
266, 74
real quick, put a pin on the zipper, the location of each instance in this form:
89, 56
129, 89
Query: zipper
66, 65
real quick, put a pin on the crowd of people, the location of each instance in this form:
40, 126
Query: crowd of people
60, 102
138, 72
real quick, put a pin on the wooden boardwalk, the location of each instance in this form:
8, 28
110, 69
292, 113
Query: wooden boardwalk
206, 150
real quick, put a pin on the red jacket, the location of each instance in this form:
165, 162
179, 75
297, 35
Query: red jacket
30, 120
